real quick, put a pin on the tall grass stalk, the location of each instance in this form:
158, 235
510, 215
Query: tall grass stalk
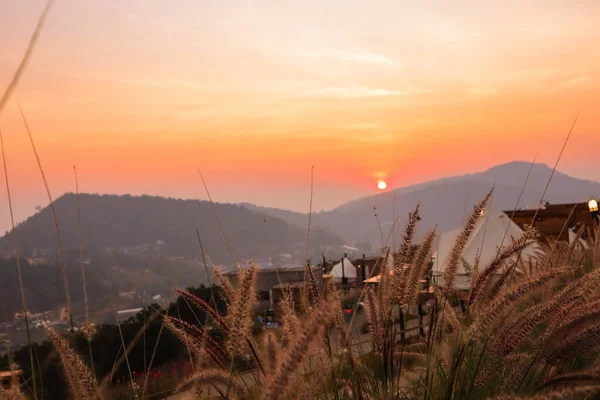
216, 214
63, 265
537, 210
526, 339
312, 184
19, 269
124, 347
89, 328
12, 85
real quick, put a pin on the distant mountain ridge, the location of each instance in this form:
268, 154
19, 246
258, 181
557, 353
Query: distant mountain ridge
110, 221
511, 174
445, 201
256, 232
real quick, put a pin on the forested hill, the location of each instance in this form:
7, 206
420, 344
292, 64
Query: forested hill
110, 221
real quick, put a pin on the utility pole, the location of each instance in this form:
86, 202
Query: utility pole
344, 279
363, 268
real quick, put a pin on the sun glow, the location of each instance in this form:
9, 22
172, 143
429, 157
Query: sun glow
381, 185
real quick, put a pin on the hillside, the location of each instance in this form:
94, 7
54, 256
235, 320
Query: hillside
107, 275
166, 227
444, 201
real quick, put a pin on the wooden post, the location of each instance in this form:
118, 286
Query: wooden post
364, 268
402, 327
344, 279
420, 313
432, 316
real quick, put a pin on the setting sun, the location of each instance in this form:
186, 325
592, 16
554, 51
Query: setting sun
381, 185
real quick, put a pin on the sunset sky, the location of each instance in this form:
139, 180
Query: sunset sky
139, 94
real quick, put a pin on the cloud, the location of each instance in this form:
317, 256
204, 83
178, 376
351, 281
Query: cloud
363, 58
577, 81
367, 58
310, 54
164, 83
355, 92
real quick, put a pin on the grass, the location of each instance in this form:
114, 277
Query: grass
512, 337
527, 329
533, 337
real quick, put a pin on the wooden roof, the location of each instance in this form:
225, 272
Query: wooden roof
552, 220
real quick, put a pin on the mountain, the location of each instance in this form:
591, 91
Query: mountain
292, 217
139, 247
446, 201
167, 227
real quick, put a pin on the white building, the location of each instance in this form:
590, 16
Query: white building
344, 268
494, 232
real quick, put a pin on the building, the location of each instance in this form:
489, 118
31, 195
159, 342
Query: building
345, 271
357, 271
369, 266
493, 233
554, 221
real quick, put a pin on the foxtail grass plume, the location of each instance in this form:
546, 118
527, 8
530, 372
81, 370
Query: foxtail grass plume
461, 243
81, 381
290, 361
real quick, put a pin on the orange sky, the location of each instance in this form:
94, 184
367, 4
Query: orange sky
139, 94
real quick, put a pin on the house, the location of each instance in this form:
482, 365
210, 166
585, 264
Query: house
358, 270
552, 220
370, 266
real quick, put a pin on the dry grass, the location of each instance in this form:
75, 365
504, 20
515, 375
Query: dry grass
81, 381
520, 335
537, 336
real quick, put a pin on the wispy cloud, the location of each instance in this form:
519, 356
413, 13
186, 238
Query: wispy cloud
165, 83
364, 58
577, 81
355, 92
367, 58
